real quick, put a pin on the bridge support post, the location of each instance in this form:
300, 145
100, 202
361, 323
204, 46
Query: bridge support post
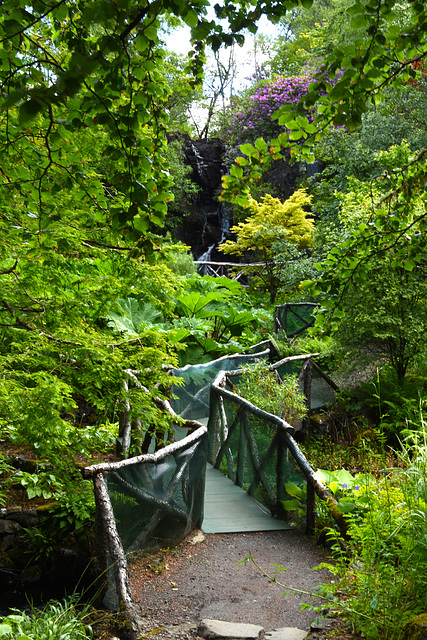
311, 509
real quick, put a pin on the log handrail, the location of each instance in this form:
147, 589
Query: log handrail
106, 467
313, 483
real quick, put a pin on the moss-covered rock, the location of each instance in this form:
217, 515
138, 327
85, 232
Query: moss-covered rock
415, 628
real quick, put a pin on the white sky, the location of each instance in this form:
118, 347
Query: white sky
246, 57
179, 41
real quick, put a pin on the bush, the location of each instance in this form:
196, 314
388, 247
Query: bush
261, 387
182, 264
252, 116
383, 570
57, 621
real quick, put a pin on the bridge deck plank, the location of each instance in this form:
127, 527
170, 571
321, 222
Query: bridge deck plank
229, 509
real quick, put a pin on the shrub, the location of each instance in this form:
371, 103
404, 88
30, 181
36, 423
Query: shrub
252, 118
261, 387
383, 570
57, 621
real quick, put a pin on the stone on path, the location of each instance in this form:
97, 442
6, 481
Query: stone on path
220, 630
197, 538
217, 629
286, 633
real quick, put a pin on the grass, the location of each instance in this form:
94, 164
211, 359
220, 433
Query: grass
56, 621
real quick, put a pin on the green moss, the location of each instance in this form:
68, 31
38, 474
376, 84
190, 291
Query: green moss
47, 506
415, 628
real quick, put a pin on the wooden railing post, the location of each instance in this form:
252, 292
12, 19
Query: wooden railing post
280, 475
116, 554
243, 450
311, 509
307, 392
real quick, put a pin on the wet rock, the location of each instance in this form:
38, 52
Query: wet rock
23, 517
31, 575
8, 532
203, 229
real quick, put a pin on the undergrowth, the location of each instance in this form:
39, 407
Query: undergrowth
263, 388
57, 621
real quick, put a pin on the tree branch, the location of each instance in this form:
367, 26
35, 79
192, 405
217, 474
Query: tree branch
3, 273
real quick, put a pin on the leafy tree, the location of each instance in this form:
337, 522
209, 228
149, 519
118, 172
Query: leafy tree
307, 35
373, 282
84, 181
351, 76
67, 68
270, 221
293, 266
220, 76
182, 93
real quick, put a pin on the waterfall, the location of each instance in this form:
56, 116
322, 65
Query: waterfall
225, 222
206, 226
206, 257
222, 214
200, 162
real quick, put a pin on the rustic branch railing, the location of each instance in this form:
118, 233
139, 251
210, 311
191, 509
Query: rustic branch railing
290, 318
318, 391
173, 492
192, 398
252, 448
232, 270
161, 500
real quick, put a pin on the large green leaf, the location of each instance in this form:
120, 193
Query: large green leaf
297, 492
131, 316
290, 505
191, 304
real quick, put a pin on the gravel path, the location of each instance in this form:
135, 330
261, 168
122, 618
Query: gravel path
199, 579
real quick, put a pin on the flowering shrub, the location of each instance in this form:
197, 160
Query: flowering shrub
254, 117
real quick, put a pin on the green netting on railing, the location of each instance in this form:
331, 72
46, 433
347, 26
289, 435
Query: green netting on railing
252, 452
322, 393
294, 318
191, 400
157, 504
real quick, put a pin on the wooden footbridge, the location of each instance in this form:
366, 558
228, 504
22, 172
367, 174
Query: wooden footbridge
229, 509
159, 497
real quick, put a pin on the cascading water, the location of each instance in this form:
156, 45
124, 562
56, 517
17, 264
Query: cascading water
222, 215
201, 227
206, 224
205, 257
225, 222
200, 162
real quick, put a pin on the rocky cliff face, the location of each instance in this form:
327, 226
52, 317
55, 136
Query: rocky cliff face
208, 221
203, 229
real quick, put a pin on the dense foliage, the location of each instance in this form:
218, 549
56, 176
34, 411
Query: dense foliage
84, 182
57, 621
92, 182
272, 227
251, 117
260, 386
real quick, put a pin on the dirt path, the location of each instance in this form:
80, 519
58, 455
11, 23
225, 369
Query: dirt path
200, 579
